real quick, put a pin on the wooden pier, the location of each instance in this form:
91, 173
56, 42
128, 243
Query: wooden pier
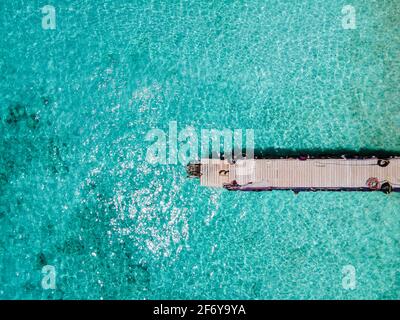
300, 174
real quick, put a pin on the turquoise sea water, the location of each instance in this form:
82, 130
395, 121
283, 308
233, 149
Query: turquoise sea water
77, 102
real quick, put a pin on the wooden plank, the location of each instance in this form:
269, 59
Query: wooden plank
293, 173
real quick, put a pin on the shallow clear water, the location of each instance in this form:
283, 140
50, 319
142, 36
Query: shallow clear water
77, 102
